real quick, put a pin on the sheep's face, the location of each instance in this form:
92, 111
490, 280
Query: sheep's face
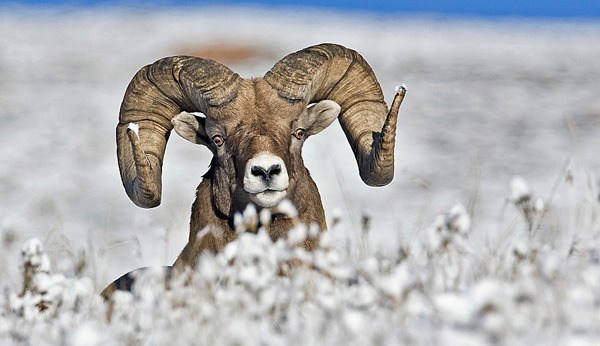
257, 144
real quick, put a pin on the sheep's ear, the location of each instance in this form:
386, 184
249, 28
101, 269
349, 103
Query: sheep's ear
191, 128
321, 115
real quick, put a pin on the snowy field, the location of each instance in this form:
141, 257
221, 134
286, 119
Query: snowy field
487, 101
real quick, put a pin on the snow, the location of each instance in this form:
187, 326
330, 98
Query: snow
399, 87
135, 128
33, 256
489, 101
281, 292
519, 190
458, 219
287, 208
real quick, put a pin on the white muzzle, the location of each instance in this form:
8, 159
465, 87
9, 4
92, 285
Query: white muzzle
266, 180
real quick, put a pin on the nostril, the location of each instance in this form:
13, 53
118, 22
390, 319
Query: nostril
266, 174
258, 171
274, 170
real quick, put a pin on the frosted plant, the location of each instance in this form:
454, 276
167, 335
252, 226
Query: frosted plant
49, 300
34, 261
530, 206
585, 257
493, 302
287, 208
336, 217
446, 248
257, 291
247, 221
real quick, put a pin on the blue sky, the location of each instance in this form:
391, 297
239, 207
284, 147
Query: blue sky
589, 9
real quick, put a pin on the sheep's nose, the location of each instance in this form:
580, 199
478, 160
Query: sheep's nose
266, 173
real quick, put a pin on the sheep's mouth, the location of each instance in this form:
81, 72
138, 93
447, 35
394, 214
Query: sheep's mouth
268, 198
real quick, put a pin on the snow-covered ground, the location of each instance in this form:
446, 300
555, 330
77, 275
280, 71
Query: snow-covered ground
486, 101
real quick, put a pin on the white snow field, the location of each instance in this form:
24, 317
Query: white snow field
489, 232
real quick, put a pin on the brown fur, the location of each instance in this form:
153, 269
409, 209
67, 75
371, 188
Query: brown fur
220, 229
258, 120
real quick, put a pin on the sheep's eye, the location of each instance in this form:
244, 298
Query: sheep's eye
218, 140
299, 133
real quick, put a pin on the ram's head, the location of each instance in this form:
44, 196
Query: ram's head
255, 128
256, 144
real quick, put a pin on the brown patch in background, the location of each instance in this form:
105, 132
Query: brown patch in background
228, 53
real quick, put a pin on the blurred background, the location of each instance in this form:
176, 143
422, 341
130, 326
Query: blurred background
551, 9
495, 89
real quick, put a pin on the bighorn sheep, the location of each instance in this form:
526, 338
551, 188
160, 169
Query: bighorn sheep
255, 129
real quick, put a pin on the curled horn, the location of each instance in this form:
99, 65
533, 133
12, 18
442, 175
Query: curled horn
334, 72
155, 95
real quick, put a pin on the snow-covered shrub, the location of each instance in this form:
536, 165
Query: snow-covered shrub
530, 206
446, 247
437, 288
51, 308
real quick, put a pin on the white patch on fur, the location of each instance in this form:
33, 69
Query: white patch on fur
135, 128
265, 193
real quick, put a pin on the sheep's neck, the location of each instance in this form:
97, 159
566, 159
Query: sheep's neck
211, 230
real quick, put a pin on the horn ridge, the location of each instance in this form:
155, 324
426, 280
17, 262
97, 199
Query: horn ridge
334, 72
156, 94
